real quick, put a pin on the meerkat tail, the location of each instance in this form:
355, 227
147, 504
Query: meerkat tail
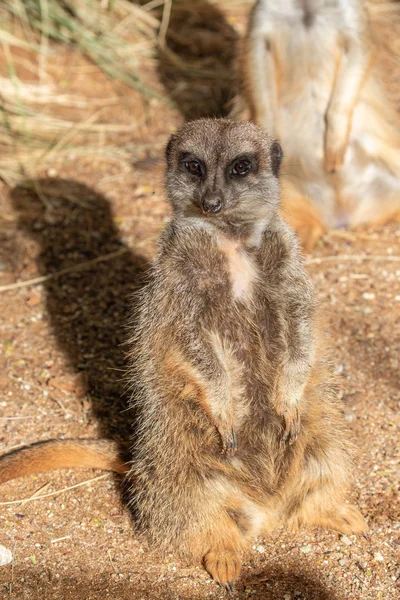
54, 454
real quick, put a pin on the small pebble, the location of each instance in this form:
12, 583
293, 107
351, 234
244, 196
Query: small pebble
260, 549
349, 415
368, 295
6, 556
378, 556
345, 540
305, 549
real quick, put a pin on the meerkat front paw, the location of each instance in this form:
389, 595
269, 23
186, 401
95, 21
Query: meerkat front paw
291, 418
290, 414
229, 441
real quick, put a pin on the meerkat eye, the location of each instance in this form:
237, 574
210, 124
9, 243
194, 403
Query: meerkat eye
193, 167
241, 167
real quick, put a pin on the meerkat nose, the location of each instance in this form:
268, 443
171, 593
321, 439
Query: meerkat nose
212, 205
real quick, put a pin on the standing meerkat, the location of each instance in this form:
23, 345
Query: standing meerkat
309, 78
238, 430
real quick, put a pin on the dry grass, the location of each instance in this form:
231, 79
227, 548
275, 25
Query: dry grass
37, 117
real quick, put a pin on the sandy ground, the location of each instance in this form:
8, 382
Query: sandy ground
61, 375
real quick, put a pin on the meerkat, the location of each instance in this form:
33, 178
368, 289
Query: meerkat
238, 430
309, 77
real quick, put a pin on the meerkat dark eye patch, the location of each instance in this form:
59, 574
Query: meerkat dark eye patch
193, 167
276, 157
241, 166
192, 164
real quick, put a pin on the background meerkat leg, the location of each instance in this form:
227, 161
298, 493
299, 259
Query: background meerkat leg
303, 216
260, 80
352, 71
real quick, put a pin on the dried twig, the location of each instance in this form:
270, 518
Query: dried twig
111, 560
71, 487
12, 569
350, 257
72, 269
66, 537
34, 495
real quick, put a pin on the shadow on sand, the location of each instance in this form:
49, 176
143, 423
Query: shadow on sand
273, 585
88, 309
197, 64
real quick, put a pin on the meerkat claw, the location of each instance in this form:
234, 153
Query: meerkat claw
292, 426
229, 442
230, 587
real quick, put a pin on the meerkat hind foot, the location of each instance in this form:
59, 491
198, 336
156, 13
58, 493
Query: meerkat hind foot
224, 567
347, 519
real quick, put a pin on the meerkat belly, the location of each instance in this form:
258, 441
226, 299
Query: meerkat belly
307, 72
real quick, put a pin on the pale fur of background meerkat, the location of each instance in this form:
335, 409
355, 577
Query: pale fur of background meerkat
238, 430
310, 78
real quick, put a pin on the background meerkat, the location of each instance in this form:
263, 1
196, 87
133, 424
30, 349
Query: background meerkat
224, 367
309, 78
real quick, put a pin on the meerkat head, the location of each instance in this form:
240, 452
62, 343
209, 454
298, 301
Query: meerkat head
224, 170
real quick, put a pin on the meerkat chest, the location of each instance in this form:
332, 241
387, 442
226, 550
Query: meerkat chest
242, 270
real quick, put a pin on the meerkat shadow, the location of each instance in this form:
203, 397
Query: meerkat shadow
197, 62
82, 586
288, 582
87, 308
277, 585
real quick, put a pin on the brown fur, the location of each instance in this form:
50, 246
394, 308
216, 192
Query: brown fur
225, 365
311, 79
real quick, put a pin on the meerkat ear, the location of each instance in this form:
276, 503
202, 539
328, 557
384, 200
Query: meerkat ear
168, 149
276, 157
